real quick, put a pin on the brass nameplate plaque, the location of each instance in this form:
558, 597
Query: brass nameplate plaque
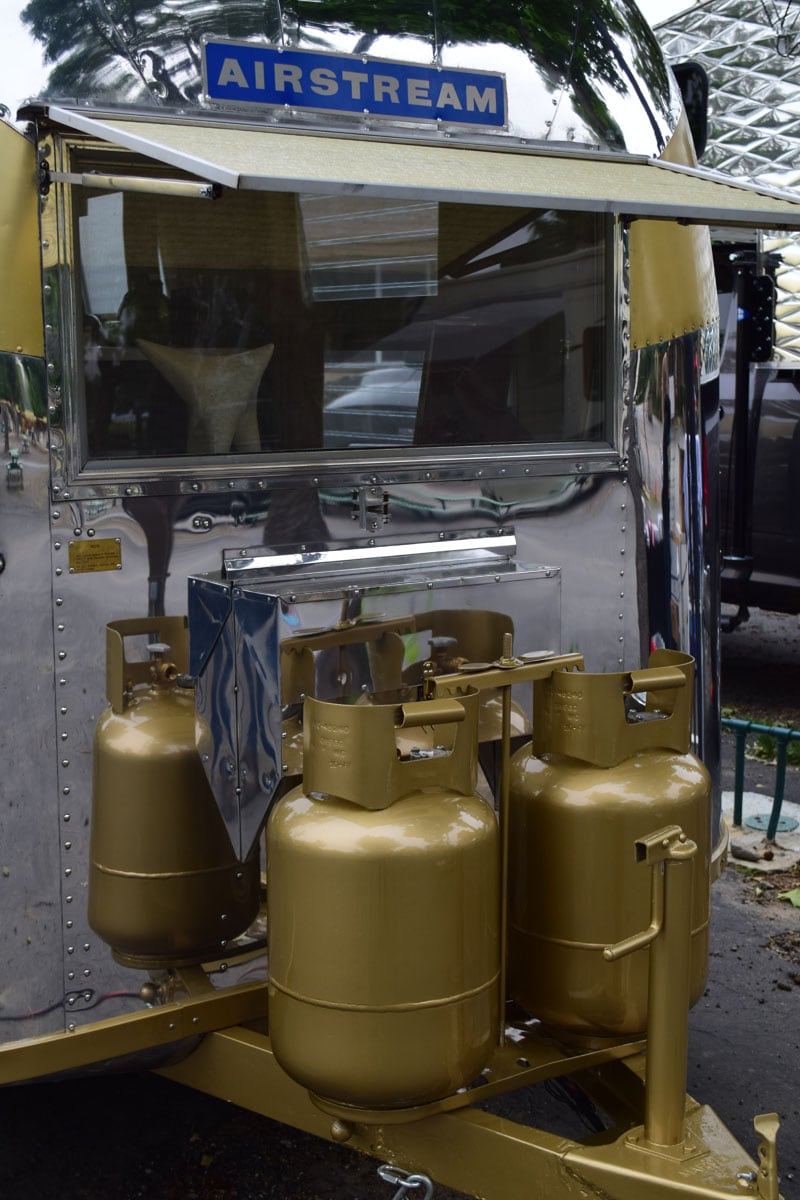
100, 554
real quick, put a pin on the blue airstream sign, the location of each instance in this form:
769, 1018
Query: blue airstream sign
243, 74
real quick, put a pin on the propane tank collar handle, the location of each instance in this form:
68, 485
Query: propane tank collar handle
429, 712
653, 679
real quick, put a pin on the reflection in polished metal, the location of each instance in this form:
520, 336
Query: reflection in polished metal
586, 74
671, 480
446, 549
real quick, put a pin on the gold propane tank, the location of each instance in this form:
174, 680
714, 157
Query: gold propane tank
383, 907
603, 778
165, 886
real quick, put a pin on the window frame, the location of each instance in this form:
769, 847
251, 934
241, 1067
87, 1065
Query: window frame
78, 471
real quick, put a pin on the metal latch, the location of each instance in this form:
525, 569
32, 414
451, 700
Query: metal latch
370, 507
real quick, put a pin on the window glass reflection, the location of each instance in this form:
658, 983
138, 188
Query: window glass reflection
271, 323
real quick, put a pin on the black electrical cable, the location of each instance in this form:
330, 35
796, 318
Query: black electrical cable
87, 995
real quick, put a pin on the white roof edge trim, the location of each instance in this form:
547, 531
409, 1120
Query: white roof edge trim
251, 158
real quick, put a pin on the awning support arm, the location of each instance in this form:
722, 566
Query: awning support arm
194, 189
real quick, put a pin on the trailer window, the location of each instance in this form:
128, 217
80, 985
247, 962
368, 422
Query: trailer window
272, 323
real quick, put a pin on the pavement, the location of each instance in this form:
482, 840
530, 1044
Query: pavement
744, 1033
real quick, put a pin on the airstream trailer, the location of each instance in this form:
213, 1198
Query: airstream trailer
364, 576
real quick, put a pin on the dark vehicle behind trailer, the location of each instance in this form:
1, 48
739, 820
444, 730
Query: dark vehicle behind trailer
759, 457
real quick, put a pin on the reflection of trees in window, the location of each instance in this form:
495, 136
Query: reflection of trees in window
137, 50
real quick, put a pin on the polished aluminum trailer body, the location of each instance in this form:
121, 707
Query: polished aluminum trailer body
315, 372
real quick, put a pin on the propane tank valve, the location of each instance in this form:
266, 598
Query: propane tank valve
161, 671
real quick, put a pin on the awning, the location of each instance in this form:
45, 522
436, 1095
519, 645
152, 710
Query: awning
255, 158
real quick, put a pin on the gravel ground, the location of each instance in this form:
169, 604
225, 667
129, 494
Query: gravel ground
744, 1034
143, 1136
